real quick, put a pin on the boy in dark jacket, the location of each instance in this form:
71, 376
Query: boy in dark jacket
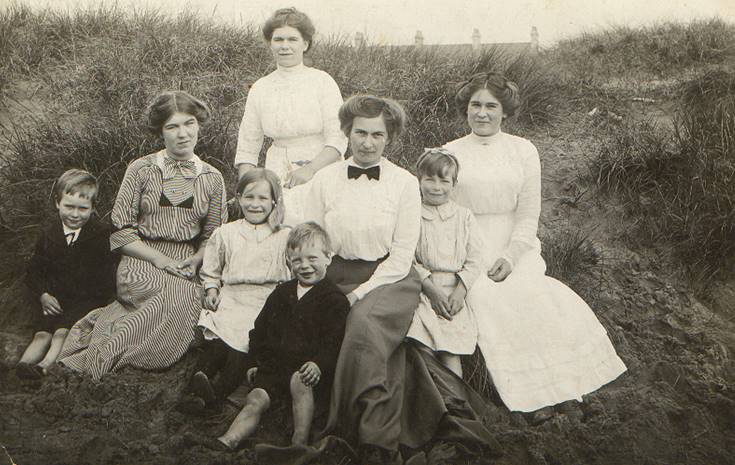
295, 341
71, 272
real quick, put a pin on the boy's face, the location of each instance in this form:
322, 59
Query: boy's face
74, 210
309, 263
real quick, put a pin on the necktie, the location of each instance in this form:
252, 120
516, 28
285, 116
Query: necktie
69, 238
185, 167
354, 172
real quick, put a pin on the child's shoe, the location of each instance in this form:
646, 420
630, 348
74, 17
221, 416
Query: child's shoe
27, 371
201, 387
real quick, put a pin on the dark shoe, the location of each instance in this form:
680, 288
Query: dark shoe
196, 439
191, 405
201, 387
27, 371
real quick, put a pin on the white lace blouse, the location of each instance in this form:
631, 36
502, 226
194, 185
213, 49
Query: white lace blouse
501, 174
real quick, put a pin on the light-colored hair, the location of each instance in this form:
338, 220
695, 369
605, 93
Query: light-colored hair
165, 104
290, 17
501, 88
438, 161
369, 106
76, 181
253, 175
309, 233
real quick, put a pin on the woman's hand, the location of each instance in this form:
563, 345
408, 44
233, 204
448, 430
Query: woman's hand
212, 299
299, 176
456, 298
352, 298
170, 266
250, 375
190, 265
439, 300
310, 373
500, 270
50, 305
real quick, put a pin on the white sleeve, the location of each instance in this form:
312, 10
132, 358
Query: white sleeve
528, 210
330, 101
214, 261
250, 135
314, 200
405, 238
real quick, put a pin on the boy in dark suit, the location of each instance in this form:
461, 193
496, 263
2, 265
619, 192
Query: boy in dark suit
71, 272
295, 341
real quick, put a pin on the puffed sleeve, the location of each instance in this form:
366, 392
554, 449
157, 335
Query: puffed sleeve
528, 210
126, 211
422, 271
217, 210
330, 101
405, 238
214, 261
474, 263
250, 135
314, 201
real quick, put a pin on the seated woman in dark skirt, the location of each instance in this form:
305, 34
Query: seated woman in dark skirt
371, 209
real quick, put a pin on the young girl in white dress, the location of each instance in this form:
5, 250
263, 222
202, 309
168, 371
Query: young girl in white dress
243, 262
542, 343
448, 261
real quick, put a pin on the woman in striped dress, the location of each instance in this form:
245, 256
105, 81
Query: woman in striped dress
168, 205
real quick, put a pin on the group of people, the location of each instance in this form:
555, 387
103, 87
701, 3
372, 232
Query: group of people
348, 285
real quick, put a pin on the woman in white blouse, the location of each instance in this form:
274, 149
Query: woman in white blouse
542, 343
296, 106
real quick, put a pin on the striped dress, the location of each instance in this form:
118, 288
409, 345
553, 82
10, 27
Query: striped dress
173, 207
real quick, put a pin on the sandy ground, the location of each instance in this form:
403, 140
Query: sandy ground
675, 405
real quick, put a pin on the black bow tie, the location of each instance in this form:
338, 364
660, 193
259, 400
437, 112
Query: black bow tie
353, 172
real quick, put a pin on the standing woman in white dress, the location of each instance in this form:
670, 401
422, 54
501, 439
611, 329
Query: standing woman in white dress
297, 107
542, 343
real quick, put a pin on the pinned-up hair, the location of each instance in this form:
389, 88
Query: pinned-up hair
438, 161
290, 17
309, 233
370, 106
165, 104
253, 175
501, 88
76, 181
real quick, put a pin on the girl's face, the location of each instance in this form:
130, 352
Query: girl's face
256, 202
484, 113
288, 46
368, 139
180, 134
435, 189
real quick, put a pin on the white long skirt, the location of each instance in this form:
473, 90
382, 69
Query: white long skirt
542, 343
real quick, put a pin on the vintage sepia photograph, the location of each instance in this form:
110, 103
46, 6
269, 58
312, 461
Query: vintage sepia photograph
396, 232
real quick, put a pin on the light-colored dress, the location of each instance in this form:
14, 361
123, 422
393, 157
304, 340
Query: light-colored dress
449, 251
542, 343
297, 108
245, 262
171, 206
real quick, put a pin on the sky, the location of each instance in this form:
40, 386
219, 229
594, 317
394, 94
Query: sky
441, 21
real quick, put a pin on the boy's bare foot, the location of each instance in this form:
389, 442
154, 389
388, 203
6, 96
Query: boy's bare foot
27, 371
201, 387
209, 442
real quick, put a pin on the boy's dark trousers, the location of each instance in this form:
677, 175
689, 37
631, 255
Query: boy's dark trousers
231, 365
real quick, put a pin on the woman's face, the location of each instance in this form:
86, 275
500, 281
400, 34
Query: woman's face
288, 46
484, 113
256, 202
368, 139
180, 134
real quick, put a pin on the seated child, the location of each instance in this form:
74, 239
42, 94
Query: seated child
243, 262
449, 260
71, 272
295, 342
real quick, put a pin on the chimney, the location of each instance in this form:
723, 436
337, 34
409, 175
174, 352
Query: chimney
534, 40
359, 39
475, 40
418, 40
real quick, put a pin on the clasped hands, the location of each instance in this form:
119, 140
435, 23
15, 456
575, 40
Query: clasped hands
445, 306
309, 373
185, 269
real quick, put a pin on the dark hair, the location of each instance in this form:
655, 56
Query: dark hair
76, 181
275, 219
290, 17
165, 104
369, 106
309, 233
502, 89
437, 162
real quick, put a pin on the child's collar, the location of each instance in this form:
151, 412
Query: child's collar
443, 211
